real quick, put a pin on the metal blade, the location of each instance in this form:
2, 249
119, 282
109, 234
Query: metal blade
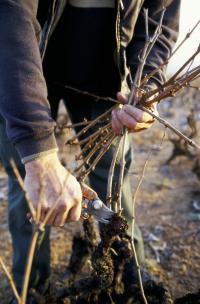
99, 210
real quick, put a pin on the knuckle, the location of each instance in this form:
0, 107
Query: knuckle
139, 116
75, 218
133, 125
113, 111
62, 207
45, 208
121, 115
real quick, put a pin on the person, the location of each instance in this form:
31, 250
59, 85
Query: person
93, 46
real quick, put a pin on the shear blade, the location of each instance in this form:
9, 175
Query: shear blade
104, 221
102, 215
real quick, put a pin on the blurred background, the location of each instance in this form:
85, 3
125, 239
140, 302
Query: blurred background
190, 14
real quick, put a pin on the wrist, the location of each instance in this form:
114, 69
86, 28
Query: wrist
42, 161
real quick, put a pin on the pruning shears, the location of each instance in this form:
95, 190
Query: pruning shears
93, 206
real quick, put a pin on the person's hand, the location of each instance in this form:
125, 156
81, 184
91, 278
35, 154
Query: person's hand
131, 117
49, 183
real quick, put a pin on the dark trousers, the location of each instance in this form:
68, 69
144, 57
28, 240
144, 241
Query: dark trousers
21, 230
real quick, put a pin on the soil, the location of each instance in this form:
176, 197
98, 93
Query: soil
167, 210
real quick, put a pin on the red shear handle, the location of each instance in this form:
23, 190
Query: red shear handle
88, 192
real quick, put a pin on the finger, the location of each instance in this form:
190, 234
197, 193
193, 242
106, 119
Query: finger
137, 114
126, 120
116, 124
43, 213
122, 98
59, 218
116, 128
51, 218
74, 213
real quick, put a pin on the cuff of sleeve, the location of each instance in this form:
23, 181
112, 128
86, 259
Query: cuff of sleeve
31, 146
29, 158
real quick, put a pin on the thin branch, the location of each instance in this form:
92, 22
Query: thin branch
150, 41
173, 78
96, 97
98, 145
171, 127
139, 272
93, 123
136, 84
187, 36
150, 75
102, 152
93, 141
79, 124
191, 59
29, 264
21, 183
99, 132
121, 173
111, 174
135, 195
134, 95
11, 281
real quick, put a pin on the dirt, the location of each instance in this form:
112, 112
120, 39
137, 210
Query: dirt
167, 211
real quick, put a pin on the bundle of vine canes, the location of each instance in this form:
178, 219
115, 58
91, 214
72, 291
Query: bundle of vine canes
112, 280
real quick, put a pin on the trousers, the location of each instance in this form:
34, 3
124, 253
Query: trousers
19, 226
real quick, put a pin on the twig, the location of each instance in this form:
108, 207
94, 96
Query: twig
96, 134
96, 97
172, 79
137, 83
83, 175
171, 127
133, 215
139, 272
150, 41
79, 124
111, 174
11, 281
183, 67
21, 183
147, 77
194, 74
136, 193
94, 122
29, 264
121, 173
94, 150
187, 36
93, 141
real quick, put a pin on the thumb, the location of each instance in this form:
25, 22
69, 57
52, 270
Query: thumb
122, 98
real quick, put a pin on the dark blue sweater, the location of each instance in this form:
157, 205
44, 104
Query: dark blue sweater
23, 93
